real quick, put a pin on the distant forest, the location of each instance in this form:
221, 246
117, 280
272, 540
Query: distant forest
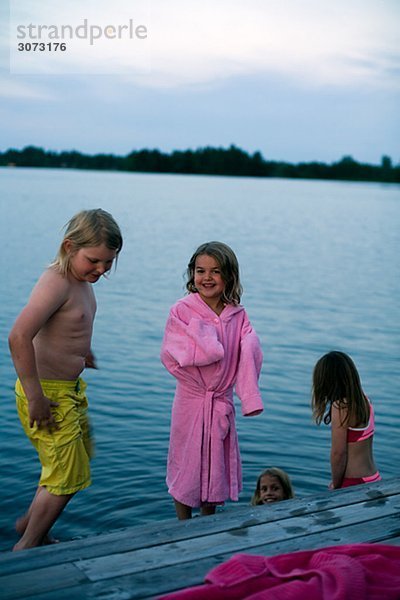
230, 161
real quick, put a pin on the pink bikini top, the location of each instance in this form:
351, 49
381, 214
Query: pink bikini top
358, 434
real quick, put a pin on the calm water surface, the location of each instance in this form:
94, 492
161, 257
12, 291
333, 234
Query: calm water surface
320, 269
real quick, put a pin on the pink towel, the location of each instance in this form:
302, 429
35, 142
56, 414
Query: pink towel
349, 572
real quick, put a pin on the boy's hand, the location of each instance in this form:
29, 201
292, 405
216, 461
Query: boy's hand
39, 411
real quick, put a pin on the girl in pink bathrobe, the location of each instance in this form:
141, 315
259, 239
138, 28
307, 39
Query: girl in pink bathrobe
210, 347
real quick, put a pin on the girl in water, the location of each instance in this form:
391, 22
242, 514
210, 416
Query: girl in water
339, 400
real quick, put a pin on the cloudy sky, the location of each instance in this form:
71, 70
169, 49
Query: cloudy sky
298, 80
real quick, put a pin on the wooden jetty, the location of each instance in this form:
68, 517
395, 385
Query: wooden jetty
160, 557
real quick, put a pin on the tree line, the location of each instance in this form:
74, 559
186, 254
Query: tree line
230, 161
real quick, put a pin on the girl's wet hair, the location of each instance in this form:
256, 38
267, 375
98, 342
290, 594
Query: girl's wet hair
283, 479
229, 266
336, 381
88, 228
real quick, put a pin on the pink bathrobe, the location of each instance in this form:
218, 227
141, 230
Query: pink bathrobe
209, 355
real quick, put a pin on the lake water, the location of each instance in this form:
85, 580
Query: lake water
320, 269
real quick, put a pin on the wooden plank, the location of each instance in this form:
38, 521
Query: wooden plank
377, 531
151, 534
238, 540
40, 580
394, 541
152, 583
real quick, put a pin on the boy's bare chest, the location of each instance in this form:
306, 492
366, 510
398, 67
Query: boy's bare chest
79, 310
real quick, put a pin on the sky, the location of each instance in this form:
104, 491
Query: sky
297, 80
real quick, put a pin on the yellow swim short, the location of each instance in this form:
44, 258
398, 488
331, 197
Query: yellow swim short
63, 453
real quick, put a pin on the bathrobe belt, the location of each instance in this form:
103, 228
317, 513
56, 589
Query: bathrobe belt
218, 421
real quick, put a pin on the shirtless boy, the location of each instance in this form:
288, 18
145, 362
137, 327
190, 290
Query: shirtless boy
50, 344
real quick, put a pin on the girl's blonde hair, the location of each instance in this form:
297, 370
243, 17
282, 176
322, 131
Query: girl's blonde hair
283, 479
336, 381
88, 228
228, 263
